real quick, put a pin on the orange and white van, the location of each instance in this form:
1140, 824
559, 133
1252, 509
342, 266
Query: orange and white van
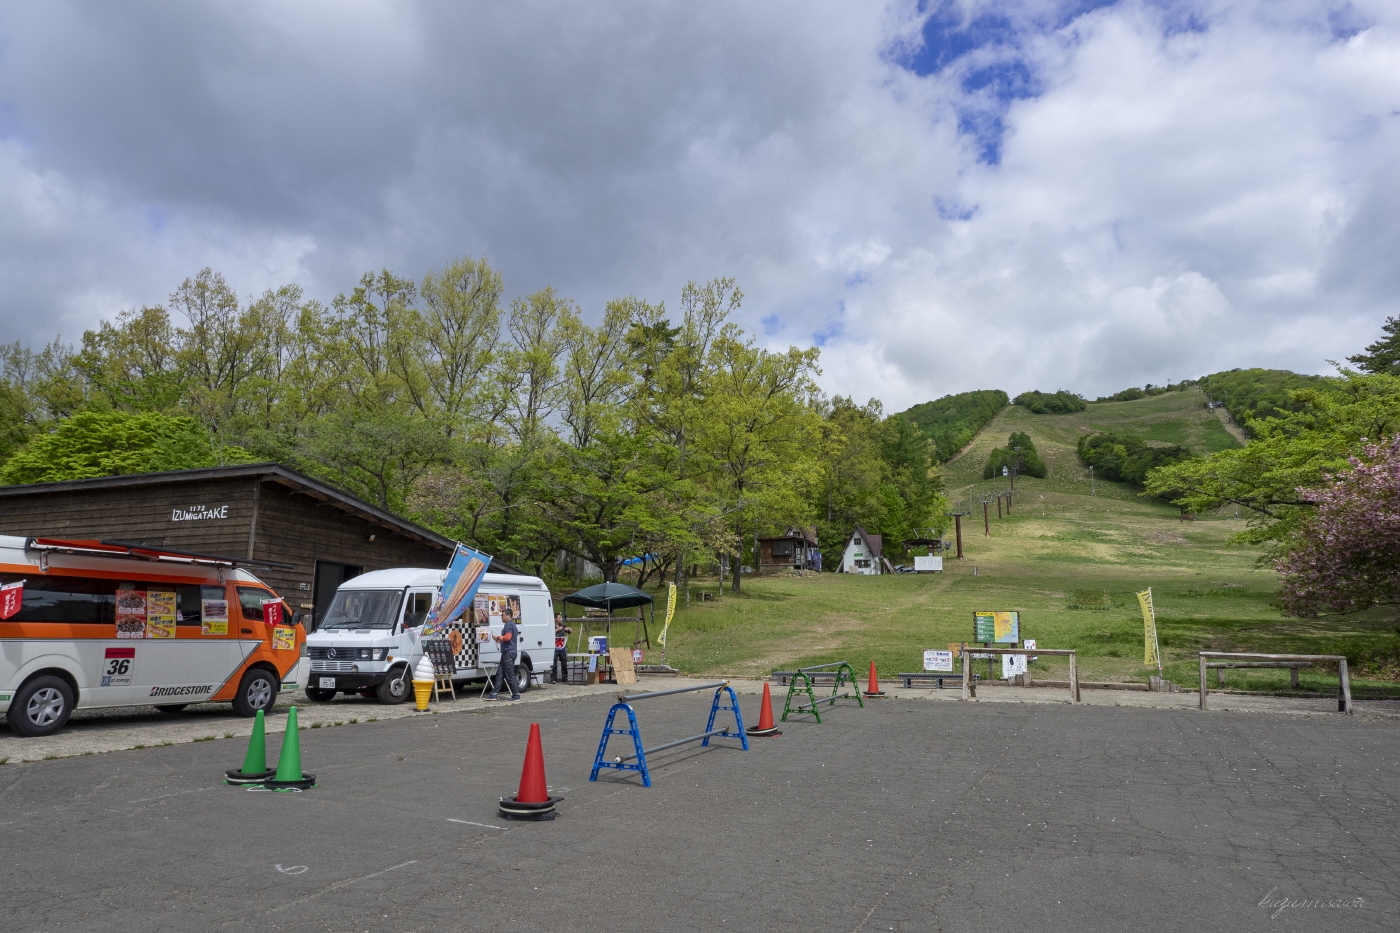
107, 624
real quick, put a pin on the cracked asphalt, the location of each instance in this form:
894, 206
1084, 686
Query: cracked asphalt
901, 816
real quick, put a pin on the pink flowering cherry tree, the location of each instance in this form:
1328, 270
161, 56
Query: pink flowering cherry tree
1346, 556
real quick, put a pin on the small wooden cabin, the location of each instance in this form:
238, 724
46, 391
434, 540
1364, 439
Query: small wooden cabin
794, 549
864, 553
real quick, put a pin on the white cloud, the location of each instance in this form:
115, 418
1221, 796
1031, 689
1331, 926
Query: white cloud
1171, 202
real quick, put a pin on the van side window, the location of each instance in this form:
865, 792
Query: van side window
64, 599
250, 602
416, 612
189, 602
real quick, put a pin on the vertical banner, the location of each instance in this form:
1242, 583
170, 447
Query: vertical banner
1151, 652
272, 611
458, 590
11, 599
670, 614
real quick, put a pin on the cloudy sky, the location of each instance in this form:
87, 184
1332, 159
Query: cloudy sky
944, 196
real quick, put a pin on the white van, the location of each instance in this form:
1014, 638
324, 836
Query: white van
370, 637
103, 624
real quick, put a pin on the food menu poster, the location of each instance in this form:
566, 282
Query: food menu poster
160, 614
131, 613
213, 617
495, 610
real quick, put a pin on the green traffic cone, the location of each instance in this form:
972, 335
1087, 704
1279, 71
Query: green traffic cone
289, 773
254, 769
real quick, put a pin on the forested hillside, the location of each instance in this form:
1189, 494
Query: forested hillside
954, 420
1256, 393
517, 427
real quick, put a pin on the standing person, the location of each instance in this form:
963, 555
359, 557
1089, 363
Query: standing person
561, 650
509, 640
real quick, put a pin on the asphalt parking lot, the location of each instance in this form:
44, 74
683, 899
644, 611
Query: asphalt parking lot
900, 816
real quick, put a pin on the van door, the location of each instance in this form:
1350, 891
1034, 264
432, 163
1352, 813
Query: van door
415, 613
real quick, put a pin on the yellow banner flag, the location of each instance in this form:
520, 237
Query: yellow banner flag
1151, 653
670, 614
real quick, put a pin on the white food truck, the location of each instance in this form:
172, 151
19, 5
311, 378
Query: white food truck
370, 638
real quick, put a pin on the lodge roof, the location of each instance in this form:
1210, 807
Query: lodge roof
808, 534
268, 472
874, 542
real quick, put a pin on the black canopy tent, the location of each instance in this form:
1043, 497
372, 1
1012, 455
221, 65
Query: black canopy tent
610, 597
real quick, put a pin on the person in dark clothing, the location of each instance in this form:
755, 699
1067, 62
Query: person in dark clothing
559, 670
509, 640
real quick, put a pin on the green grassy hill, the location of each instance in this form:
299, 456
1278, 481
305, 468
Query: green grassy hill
1069, 560
1174, 418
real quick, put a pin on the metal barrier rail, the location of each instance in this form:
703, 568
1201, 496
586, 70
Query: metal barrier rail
843, 669
1343, 675
622, 763
632, 697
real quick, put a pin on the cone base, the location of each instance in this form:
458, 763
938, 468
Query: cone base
876, 694
307, 781
240, 777
763, 733
513, 809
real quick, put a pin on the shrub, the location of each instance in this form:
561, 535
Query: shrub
1056, 403
1126, 458
1019, 454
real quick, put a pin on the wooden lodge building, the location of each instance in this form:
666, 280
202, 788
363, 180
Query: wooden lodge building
312, 536
794, 549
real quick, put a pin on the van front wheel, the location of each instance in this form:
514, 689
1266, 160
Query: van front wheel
256, 691
395, 688
41, 707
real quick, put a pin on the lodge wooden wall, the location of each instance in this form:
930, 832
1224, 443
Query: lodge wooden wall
297, 529
291, 527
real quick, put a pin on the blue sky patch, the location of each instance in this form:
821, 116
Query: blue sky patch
952, 210
834, 328
985, 51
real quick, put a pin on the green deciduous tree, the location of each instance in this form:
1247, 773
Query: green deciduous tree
91, 444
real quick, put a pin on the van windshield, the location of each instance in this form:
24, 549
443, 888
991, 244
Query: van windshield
363, 609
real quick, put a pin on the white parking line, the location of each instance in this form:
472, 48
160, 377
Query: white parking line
470, 823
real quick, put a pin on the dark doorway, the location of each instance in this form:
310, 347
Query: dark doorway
329, 576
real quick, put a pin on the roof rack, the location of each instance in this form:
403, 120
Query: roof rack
132, 550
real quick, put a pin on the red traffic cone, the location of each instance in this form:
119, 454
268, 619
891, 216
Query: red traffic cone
532, 800
873, 688
765, 728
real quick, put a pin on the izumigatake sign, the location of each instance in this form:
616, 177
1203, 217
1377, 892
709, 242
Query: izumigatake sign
199, 513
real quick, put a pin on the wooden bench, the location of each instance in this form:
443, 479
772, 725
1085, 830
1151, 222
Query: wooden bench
907, 680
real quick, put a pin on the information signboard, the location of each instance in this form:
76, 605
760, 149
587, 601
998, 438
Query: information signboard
997, 627
938, 660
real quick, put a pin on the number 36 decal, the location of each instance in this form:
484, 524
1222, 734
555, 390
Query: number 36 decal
118, 667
